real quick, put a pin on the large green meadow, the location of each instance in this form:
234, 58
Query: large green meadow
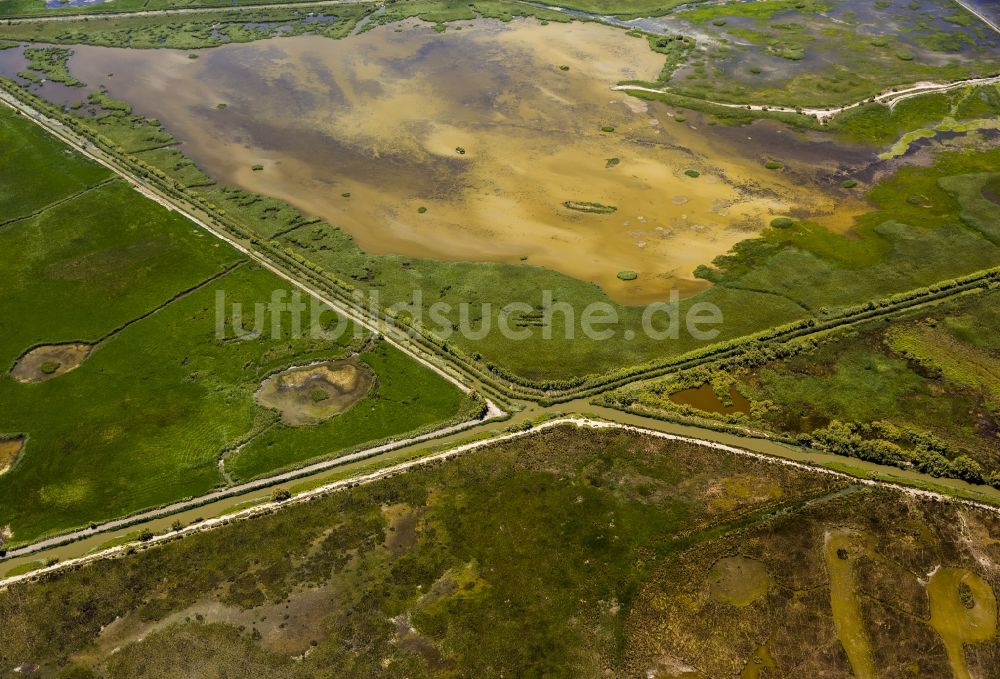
144, 419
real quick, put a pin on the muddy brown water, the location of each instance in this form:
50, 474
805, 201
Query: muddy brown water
381, 115
704, 398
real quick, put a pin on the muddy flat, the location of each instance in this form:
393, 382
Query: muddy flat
9, 450
312, 394
484, 129
48, 362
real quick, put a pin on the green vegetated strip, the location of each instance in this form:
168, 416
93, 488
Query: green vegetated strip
523, 559
938, 352
142, 421
15, 8
209, 29
960, 110
247, 24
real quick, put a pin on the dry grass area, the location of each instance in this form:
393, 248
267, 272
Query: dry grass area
9, 450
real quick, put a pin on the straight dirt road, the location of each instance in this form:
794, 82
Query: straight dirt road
76, 16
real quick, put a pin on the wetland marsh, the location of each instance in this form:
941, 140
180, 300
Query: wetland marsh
468, 145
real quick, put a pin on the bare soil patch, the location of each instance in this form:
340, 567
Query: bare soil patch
47, 362
9, 450
310, 394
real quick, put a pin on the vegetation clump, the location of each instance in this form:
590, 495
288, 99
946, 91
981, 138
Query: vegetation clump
693, 174
782, 223
590, 207
627, 275
53, 63
774, 165
608, 128
50, 367
612, 162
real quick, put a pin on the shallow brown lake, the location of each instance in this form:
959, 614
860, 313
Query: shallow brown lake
381, 115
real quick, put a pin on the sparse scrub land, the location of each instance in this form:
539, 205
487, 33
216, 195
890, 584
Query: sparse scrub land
657, 550
922, 393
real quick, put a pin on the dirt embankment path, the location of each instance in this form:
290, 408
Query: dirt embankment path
77, 16
889, 98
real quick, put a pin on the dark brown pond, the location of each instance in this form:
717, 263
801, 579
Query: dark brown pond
703, 398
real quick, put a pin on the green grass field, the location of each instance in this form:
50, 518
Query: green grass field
145, 417
31, 155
